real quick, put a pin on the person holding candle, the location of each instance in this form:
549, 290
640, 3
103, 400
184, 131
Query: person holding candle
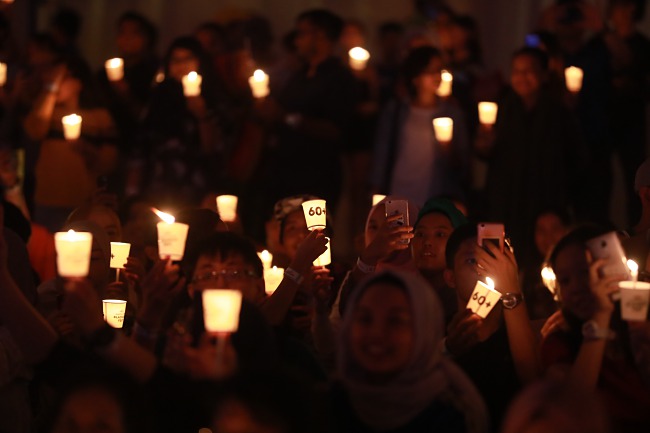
390, 375
408, 160
504, 339
181, 136
67, 172
535, 145
593, 349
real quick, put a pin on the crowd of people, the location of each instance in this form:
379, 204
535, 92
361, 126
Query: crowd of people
383, 339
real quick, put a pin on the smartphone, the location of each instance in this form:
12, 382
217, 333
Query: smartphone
609, 247
398, 207
491, 232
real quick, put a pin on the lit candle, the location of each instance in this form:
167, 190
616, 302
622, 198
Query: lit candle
114, 69
266, 258
171, 236
634, 270
487, 113
634, 296
444, 89
443, 128
71, 126
114, 310
259, 84
358, 58
315, 214
3, 74
119, 255
376, 198
549, 280
483, 298
272, 279
192, 84
325, 258
227, 207
573, 77
221, 309
73, 251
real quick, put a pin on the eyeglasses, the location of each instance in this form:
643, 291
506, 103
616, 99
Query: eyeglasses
228, 275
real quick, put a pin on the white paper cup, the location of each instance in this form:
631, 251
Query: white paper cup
358, 58
73, 250
71, 126
376, 198
171, 240
114, 310
573, 77
119, 253
272, 279
483, 299
192, 84
325, 258
315, 214
227, 207
259, 84
487, 113
443, 127
114, 69
634, 300
221, 309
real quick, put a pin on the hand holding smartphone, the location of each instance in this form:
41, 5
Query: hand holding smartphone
401, 208
491, 232
609, 247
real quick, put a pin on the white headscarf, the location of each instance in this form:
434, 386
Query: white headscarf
428, 375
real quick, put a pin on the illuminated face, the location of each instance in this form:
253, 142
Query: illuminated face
464, 273
572, 273
429, 80
294, 231
90, 411
430, 241
382, 336
526, 76
232, 272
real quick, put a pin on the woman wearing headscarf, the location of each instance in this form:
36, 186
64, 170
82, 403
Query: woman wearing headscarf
391, 375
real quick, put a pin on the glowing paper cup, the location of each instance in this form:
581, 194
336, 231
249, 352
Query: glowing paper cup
266, 258
259, 84
3, 74
171, 240
71, 126
73, 251
376, 198
192, 84
114, 310
358, 58
272, 279
119, 253
114, 69
483, 299
221, 310
634, 300
325, 258
444, 89
573, 77
487, 113
227, 207
443, 127
315, 214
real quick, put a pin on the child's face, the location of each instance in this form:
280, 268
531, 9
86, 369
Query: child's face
430, 241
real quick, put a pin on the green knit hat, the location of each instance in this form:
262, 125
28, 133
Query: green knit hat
445, 207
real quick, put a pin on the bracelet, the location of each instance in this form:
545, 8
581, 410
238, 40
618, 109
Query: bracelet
294, 276
364, 267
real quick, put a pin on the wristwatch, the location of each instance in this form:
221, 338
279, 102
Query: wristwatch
511, 300
591, 331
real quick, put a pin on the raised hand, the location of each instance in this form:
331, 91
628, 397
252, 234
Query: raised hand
462, 332
389, 239
309, 250
500, 266
159, 288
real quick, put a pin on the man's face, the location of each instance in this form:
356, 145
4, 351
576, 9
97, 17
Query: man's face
231, 272
430, 240
463, 275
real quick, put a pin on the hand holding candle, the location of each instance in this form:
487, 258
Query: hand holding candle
272, 279
192, 84
114, 69
358, 58
443, 127
71, 126
259, 84
315, 214
73, 251
325, 258
483, 298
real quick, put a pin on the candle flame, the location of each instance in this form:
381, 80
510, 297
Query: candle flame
115, 62
70, 231
265, 255
548, 274
358, 53
446, 76
71, 119
490, 282
169, 219
192, 76
633, 266
259, 75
